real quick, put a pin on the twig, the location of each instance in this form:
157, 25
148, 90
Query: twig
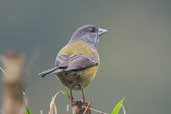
53, 107
3, 71
95, 110
123, 108
86, 108
101, 112
57, 93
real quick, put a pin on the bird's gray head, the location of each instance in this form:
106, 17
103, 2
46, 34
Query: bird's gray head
89, 34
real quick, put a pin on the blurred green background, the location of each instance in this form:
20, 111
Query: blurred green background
135, 53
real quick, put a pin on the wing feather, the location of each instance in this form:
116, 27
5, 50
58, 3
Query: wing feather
76, 62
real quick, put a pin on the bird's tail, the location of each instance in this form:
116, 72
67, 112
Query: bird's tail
51, 71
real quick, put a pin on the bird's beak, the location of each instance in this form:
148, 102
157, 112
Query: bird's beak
101, 31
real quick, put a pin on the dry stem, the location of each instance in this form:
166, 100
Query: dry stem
13, 101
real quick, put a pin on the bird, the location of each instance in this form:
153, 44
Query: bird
77, 62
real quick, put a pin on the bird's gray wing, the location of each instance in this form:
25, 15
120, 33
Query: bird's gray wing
71, 62
62, 60
76, 61
79, 62
49, 71
61, 63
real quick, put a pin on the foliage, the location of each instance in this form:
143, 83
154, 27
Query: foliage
27, 110
118, 106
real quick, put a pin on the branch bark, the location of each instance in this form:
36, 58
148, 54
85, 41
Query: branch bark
13, 100
79, 107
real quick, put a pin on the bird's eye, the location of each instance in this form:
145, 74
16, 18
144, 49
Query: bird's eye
92, 29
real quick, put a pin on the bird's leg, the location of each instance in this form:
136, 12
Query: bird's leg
72, 98
83, 96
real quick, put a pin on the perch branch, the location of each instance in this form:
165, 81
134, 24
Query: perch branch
13, 101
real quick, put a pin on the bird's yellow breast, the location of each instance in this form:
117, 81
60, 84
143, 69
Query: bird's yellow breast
78, 47
90, 74
78, 79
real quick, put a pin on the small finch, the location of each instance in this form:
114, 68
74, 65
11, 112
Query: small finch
77, 62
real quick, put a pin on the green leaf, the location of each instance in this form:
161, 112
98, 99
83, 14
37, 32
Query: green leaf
27, 110
118, 106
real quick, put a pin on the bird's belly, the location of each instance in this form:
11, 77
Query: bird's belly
78, 79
